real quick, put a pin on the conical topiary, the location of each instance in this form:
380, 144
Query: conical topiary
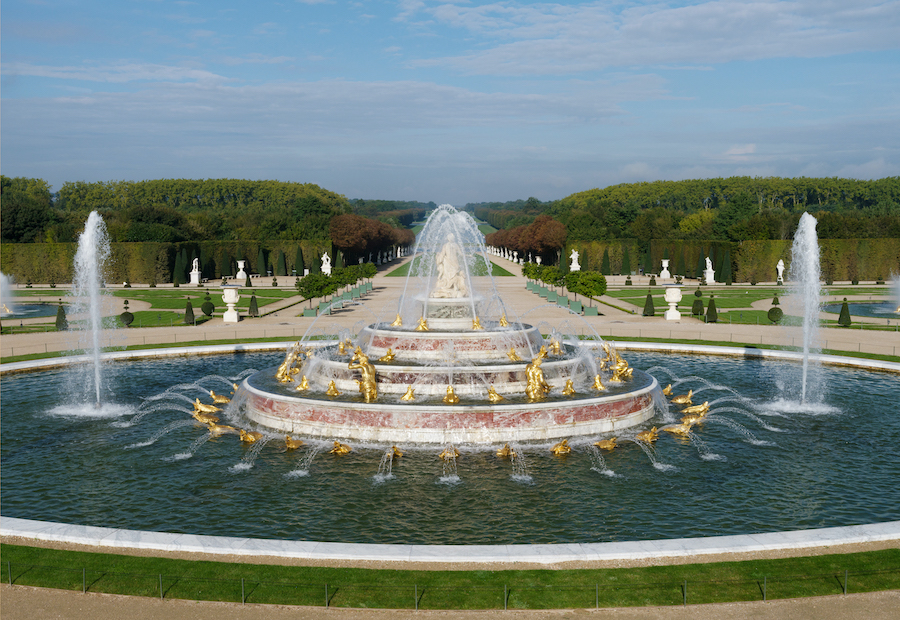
697, 306
626, 262
649, 310
844, 318
188, 313
604, 267
254, 308
62, 323
712, 315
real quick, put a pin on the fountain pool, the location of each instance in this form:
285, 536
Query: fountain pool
760, 462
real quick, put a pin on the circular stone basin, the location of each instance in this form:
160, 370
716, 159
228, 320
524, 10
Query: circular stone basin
759, 463
872, 309
31, 311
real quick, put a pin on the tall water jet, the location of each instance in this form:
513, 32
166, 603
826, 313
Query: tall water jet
805, 275
6, 300
895, 292
87, 291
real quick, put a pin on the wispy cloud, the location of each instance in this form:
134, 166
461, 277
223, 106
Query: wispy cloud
116, 73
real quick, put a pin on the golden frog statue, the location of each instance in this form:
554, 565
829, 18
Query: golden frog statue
648, 436
205, 418
505, 451
292, 444
493, 396
340, 448
562, 448
598, 384
219, 429
513, 355
678, 429
395, 452
606, 444
684, 399
303, 385
667, 391
410, 394
451, 398
423, 325
332, 389
398, 322
569, 388
503, 321
387, 357
219, 399
692, 419
204, 408
250, 436
449, 452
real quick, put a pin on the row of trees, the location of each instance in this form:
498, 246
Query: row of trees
359, 237
319, 285
544, 237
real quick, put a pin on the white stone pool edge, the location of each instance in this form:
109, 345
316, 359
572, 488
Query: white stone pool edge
522, 553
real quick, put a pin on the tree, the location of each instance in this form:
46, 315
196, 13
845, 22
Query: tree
725, 271
315, 285
604, 267
626, 262
298, 262
775, 314
712, 315
188, 313
126, 317
261, 262
226, 264
254, 307
281, 267
62, 324
649, 310
701, 264
844, 318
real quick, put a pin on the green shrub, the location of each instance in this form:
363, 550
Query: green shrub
628, 281
649, 309
126, 318
254, 307
775, 314
188, 313
844, 318
712, 314
652, 280
62, 324
697, 307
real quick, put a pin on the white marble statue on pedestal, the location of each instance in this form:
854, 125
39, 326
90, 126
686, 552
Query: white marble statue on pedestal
574, 266
451, 278
665, 269
326, 264
515, 256
780, 269
195, 271
709, 274
538, 260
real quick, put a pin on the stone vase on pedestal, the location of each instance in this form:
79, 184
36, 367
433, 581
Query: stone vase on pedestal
673, 296
241, 274
665, 269
230, 295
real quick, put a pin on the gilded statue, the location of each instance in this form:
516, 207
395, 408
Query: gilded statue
493, 396
303, 385
340, 448
555, 348
513, 355
204, 408
250, 436
692, 419
410, 394
648, 436
598, 384
367, 385
505, 451
561, 448
536, 387
702, 409
451, 398
683, 399
342, 348
613, 360
423, 325
503, 321
205, 418
332, 389
219, 429
476, 324
606, 444
451, 278
395, 452
387, 357
569, 389
219, 399
292, 444
398, 322
449, 452
667, 391
286, 370
678, 429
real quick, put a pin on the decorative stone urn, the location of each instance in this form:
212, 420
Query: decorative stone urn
230, 295
673, 296
665, 269
241, 274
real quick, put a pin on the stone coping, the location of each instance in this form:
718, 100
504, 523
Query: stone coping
537, 553
525, 553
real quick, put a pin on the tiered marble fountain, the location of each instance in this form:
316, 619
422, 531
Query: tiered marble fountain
451, 367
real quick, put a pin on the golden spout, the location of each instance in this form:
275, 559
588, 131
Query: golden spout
387, 357
569, 389
536, 388
684, 399
451, 398
598, 384
218, 429
562, 448
423, 325
476, 324
513, 355
503, 321
410, 394
449, 452
493, 396
292, 444
398, 322
667, 391
219, 398
606, 444
250, 436
648, 436
692, 419
332, 389
342, 348
303, 385
340, 448
367, 385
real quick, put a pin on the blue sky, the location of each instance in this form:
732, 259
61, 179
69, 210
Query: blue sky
451, 101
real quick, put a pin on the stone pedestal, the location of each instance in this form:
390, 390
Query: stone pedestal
709, 275
241, 275
195, 277
665, 269
673, 296
230, 296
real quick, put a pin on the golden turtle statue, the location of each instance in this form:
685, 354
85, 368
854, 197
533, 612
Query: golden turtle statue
562, 448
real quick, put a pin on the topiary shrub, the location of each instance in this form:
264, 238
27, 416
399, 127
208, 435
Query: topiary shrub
188, 313
628, 281
254, 308
649, 310
775, 314
62, 323
854, 281
844, 318
126, 318
775, 301
697, 307
712, 315
698, 293
207, 306
652, 280
274, 281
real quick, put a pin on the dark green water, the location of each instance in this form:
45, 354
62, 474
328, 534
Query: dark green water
764, 464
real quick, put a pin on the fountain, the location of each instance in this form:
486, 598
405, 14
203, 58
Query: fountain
805, 274
895, 293
452, 367
7, 307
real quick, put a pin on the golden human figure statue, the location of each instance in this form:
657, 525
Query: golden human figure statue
451, 398
561, 448
569, 389
702, 409
235, 387
250, 436
598, 384
606, 444
503, 321
340, 448
449, 452
286, 369
423, 325
476, 324
203, 407
683, 399
555, 347
219, 399
367, 385
536, 387
398, 322
387, 357
513, 355
410, 394
493, 396
648, 436
667, 391
342, 348
303, 385
292, 444
395, 452
332, 389
505, 451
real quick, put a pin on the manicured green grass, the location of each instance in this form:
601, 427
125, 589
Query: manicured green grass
486, 229
479, 270
473, 589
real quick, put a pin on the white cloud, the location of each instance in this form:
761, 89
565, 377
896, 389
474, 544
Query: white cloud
874, 169
739, 152
114, 73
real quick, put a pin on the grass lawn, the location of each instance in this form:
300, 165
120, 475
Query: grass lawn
479, 270
486, 229
472, 589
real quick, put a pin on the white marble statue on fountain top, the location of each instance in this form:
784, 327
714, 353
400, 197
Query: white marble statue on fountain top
574, 266
326, 264
451, 278
780, 269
